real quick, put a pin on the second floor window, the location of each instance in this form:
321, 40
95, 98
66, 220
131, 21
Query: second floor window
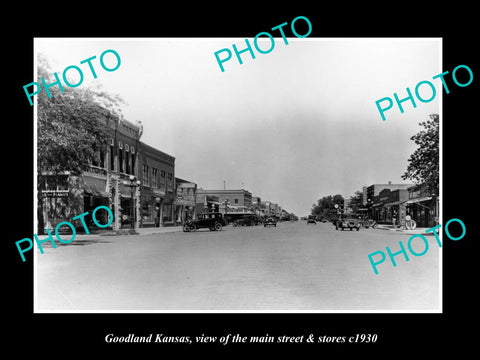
133, 164
154, 177
145, 175
127, 160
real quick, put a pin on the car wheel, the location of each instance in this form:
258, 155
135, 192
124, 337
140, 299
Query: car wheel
186, 228
193, 227
218, 226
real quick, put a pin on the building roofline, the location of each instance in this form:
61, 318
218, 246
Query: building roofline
225, 191
154, 151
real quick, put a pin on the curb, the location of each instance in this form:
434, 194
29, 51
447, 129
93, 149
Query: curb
406, 231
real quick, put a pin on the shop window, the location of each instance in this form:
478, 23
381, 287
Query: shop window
62, 182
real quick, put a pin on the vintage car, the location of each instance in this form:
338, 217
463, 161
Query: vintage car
247, 220
348, 222
269, 221
213, 221
312, 219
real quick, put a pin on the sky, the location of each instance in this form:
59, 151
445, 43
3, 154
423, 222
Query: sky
290, 126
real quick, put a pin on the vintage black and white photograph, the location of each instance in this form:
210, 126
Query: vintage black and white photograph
291, 174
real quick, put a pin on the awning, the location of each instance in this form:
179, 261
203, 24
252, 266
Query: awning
95, 192
394, 203
417, 200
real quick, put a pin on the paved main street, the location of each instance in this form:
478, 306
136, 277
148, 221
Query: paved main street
291, 267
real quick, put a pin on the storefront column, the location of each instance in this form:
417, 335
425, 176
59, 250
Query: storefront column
137, 214
161, 213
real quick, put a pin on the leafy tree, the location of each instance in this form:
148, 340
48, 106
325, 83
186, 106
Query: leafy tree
73, 129
356, 201
326, 205
73, 126
423, 164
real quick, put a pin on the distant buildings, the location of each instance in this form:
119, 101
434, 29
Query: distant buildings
229, 201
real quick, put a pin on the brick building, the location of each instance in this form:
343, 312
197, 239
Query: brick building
64, 196
157, 190
185, 200
237, 201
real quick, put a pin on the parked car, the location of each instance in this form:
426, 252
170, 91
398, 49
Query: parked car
247, 220
348, 222
269, 221
213, 221
312, 219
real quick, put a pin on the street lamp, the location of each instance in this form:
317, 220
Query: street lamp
132, 184
226, 206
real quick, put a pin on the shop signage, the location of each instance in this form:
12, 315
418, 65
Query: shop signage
54, 193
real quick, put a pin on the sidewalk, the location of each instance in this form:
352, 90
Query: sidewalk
418, 230
96, 234
144, 231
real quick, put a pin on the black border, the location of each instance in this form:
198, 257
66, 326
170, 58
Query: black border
402, 333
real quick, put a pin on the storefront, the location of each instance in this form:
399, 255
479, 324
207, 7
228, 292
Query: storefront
167, 209
94, 194
127, 199
207, 203
422, 206
151, 206
423, 211
184, 200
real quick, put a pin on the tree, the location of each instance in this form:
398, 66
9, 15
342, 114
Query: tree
73, 125
72, 130
326, 205
356, 201
424, 163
